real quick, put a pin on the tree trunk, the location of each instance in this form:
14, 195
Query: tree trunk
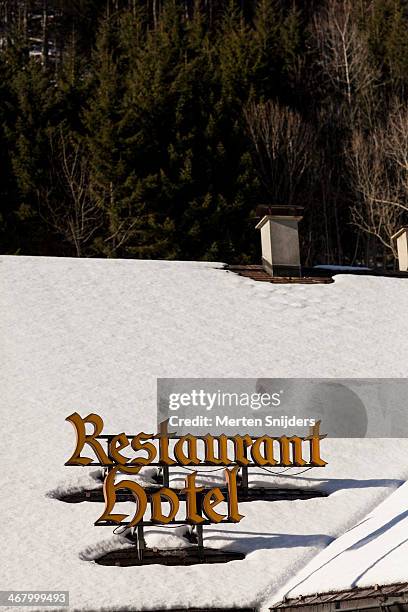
45, 41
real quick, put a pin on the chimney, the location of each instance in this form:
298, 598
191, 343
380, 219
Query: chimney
402, 247
280, 239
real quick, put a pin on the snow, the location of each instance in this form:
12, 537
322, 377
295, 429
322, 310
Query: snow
94, 335
372, 552
92, 480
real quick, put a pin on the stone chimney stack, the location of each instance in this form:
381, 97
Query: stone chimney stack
402, 247
280, 239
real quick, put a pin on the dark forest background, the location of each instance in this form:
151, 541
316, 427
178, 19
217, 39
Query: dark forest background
154, 128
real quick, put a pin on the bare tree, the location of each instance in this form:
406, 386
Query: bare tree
121, 225
78, 215
45, 34
343, 50
379, 173
397, 149
283, 144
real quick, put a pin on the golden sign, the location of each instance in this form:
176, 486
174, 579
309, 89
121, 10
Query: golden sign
215, 450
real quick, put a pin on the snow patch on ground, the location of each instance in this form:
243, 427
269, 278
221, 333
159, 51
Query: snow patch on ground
92, 480
169, 538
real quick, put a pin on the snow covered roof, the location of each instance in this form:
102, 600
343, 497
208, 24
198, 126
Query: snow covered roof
373, 552
93, 335
375, 597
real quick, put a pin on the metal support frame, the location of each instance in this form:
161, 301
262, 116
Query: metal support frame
138, 530
141, 542
166, 475
200, 541
244, 480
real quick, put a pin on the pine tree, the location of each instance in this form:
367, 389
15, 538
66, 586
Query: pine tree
33, 101
397, 44
8, 234
267, 29
147, 127
101, 118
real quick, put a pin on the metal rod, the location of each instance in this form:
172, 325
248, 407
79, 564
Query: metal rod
141, 544
154, 524
244, 480
200, 542
202, 463
174, 437
166, 475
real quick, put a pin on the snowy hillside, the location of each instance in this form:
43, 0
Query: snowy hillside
93, 335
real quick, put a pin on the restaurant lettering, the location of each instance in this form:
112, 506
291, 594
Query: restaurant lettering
127, 454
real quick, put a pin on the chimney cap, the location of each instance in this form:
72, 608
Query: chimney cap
279, 210
400, 232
